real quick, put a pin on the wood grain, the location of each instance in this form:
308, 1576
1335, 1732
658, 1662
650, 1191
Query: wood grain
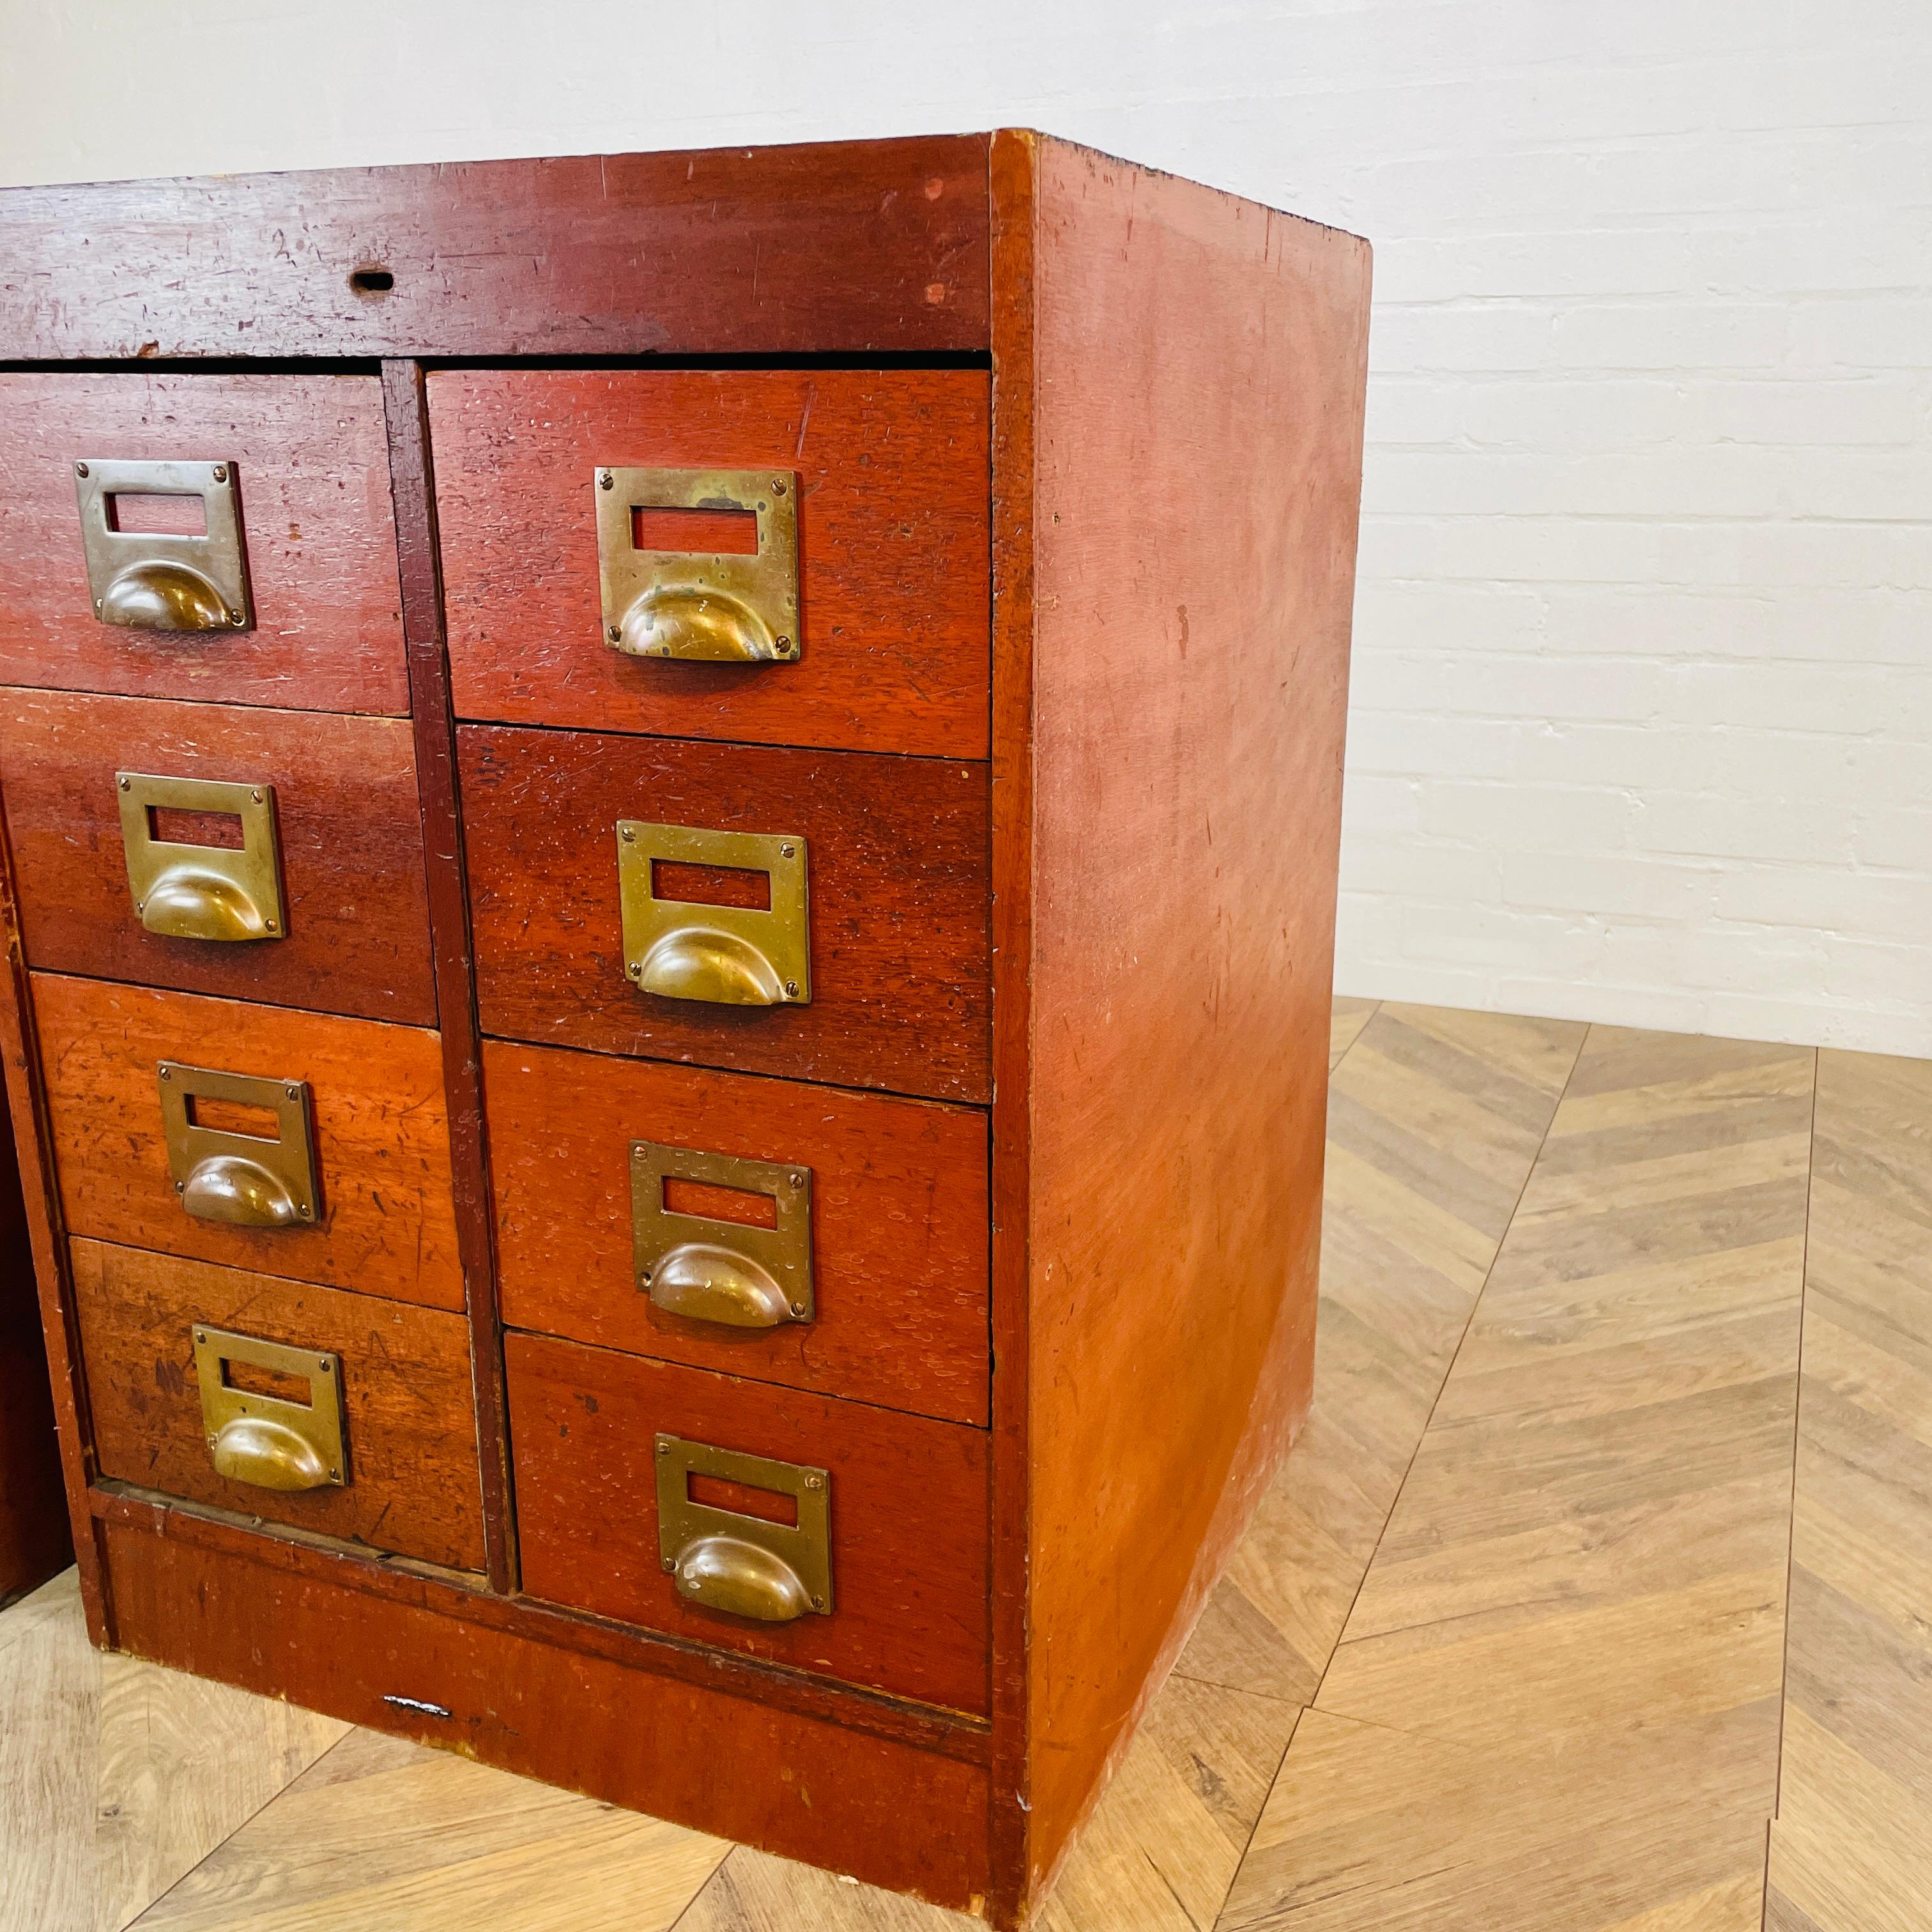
405, 1392
413, 487
33, 1539
908, 1521
1197, 416
1435, 1117
853, 247
898, 1222
381, 1143
1555, 1704
325, 1855
1014, 194
804, 1787
892, 550
356, 937
314, 487
116, 1779
897, 857
1851, 1848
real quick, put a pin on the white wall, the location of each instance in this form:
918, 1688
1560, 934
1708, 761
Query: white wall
1643, 703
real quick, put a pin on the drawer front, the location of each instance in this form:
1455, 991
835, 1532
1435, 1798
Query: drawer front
907, 1497
308, 475
895, 859
888, 474
891, 1231
332, 861
377, 1135
395, 1396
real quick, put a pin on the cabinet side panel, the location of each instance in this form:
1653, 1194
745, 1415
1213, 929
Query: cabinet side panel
1199, 423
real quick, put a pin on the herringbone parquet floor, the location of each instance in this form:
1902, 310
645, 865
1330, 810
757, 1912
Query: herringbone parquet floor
1534, 1632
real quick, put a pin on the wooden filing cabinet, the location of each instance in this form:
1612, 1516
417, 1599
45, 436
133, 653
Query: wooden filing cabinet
670, 829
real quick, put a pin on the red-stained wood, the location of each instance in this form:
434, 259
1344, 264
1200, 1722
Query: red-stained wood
843, 248
356, 933
891, 546
1214, 352
412, 1485
1014, 377
897, 859
413, 487
33, 1146
345, 1566
34, 1540
908, 1499
898, 1222
381, 1146
833, 1792
313, 480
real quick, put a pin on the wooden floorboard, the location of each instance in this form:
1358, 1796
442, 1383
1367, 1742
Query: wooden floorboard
1507, 1649
1851, 1848
1435, 1117
1555, 1706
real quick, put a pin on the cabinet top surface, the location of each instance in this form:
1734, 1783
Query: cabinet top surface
859, 249
853, 247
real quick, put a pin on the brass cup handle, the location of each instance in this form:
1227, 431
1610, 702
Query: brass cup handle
155, 596
271, 1442
191, 901
258, 1449
700, 962
745, 1579
704, 1282
688, 620
231, 1188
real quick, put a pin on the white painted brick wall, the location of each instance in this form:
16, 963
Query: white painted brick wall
1642, 723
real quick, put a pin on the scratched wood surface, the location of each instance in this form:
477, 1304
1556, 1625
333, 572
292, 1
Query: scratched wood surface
313, 478
890, 469
1555, 1705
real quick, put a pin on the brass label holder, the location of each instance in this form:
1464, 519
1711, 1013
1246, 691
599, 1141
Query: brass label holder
707, 1269
164, 580
267, 1440
203, 892
744, 1565
245, 1180
711, 607
730, 955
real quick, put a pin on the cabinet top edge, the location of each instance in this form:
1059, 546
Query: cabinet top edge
851, 248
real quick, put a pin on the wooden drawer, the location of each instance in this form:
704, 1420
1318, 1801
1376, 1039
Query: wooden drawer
380, 1137
310, 467
410, 1484
907, 1499
340, 815
890, 471
897, 858
895, 1225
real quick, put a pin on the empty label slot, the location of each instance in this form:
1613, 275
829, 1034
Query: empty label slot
747, 1208
711, 885
720, 1492
139, 513
233, 1116
700, 531
220, 830
252, 1379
